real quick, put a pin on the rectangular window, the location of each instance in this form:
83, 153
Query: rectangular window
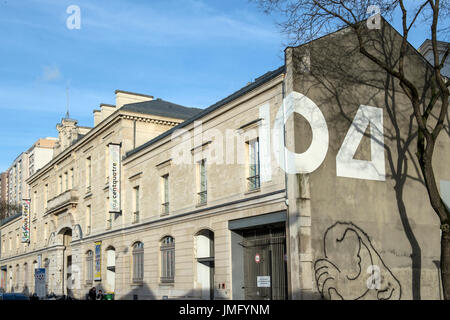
60, 187
165, 194
66, 181
89, 266
35, 236
88, 174
109, 215
71, 181
45, 196
34, 204
46, 232
202, 180
253, 178
136, 204
88, 219
107, 165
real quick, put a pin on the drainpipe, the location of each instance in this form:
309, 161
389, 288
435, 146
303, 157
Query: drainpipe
288, 238
283, 94
134, 134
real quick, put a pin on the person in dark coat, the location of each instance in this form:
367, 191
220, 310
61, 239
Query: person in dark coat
92, 293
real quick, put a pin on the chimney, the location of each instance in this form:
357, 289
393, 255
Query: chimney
125, 97
97, 117
107, 110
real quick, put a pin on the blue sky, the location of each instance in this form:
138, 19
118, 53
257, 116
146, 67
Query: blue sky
191, 52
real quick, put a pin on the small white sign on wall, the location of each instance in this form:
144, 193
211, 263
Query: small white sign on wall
263, 281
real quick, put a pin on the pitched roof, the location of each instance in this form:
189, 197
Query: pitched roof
162, 108
258, 82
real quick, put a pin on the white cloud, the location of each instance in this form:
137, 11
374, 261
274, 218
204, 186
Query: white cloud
50, 73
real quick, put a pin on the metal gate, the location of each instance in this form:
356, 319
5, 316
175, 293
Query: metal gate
265, 274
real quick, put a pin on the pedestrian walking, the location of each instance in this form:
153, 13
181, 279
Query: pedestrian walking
92, 293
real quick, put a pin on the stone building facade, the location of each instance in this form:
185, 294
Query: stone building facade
301, 185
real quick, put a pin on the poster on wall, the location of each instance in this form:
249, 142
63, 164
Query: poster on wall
98, 261
39, 282
114, 178
25, 221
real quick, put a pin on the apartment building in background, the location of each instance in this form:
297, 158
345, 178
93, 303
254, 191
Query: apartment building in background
274, 192
40, 154
25, 165
426, 49
18, 173
3, 187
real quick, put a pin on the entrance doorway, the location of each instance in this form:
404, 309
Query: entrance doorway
259, 260
265, 275
111, 269
69, 276
205, 263
3, 276
67, 262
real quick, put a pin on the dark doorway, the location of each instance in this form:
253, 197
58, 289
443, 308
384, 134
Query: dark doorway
69, 276
3, 276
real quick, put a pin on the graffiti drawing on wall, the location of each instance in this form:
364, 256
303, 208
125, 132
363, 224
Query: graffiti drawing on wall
352, 269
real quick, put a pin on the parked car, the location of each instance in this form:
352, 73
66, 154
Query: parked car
13, 296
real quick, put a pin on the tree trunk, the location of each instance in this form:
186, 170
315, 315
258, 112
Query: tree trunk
445, 262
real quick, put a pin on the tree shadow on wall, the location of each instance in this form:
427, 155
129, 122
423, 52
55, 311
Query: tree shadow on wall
346, 80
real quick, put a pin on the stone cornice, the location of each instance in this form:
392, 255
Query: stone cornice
150, 120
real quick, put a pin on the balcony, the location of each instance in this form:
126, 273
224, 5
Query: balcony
62, 202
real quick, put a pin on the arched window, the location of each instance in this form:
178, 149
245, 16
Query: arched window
17, 277
167, 260
89, 266
138, 262
25, 275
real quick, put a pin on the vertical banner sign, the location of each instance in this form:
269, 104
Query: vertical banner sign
98, 261
25, 221
114, 178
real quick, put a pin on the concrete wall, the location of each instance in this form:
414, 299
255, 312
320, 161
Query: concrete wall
362, 222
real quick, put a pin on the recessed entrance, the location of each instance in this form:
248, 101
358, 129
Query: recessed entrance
111, 269
67, 286
205, 263
3, 276
265, 274
259, 263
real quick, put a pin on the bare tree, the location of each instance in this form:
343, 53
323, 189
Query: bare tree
7, 209
306, 20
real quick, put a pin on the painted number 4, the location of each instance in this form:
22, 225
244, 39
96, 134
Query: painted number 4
346, 165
